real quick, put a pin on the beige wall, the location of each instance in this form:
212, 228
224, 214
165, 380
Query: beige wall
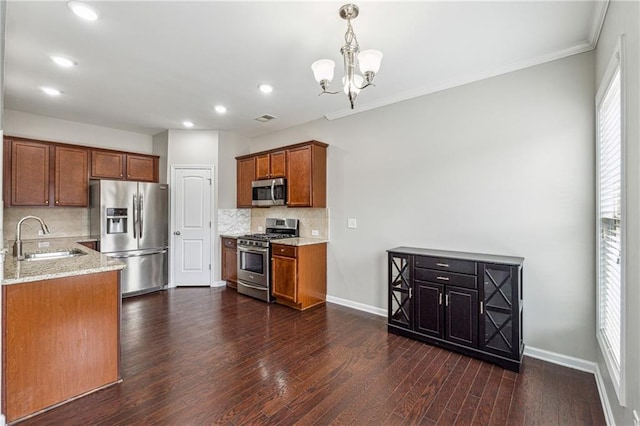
501, 166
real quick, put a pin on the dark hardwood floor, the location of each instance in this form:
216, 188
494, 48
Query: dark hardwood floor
194, 356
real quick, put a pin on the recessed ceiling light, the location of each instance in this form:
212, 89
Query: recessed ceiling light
265, 88
63, 62
83, 10
220, 109
187, 124
51, 91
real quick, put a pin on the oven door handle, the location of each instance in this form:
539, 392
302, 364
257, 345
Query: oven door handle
252, 251
253, 286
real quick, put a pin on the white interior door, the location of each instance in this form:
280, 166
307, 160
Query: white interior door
192, 227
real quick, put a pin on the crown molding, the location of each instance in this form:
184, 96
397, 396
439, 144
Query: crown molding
599, 13
597, 20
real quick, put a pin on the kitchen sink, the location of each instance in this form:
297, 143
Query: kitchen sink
58, 254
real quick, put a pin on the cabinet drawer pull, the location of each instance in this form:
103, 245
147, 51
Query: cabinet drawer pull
410, 292
481, 307
446, 300
442, 278
444, 265
440, 298
281, 249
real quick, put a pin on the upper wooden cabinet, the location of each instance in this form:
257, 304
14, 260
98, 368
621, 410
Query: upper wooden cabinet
270, 166
246, 173
31, 179
71, 183
307, 176
304, 165
119, 165
107, 165
27, 174
142, 168
41, 173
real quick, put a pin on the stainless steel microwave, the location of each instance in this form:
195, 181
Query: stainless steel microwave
269, 192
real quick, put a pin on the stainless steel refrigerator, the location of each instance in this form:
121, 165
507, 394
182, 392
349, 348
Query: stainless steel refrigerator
131, 221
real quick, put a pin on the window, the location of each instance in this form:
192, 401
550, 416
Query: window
611, 220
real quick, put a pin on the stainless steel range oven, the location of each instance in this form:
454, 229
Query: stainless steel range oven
254, 254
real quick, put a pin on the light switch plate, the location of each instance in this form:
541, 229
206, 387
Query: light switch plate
314, 233
352, 223
260, 228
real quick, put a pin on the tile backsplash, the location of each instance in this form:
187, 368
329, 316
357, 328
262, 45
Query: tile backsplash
62, 222
234, 221
310, 219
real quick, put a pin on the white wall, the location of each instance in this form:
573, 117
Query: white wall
192, 147
197, 147
502, 166
161, 147
231, 145
624, 18
27, 125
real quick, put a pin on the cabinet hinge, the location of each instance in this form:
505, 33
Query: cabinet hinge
209, 266
209, 224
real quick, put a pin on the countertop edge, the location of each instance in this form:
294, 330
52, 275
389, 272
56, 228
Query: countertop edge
300, 241
45, 277
19, 272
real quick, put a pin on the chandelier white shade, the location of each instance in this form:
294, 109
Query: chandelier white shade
367, 60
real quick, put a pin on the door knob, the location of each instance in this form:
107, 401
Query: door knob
177, 233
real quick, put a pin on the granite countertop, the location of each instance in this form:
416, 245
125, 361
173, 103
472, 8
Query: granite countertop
16, 272
233, 234
301, 241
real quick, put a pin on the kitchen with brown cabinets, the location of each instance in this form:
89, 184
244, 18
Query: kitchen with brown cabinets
303, 165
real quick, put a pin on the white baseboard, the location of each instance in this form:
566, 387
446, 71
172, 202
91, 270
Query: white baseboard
3, 420
604, 398
359, 306
219, 284
560, 359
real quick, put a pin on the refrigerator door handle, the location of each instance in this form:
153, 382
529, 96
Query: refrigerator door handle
135, 216
141, 214
125, 256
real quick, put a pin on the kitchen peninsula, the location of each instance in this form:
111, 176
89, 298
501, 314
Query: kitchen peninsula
61, 327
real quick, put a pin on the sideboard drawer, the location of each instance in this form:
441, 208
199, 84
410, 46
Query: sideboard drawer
445, 264
448, 278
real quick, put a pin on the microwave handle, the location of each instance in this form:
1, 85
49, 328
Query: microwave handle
273, 196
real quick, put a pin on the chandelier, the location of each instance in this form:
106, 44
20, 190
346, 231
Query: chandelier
368, 60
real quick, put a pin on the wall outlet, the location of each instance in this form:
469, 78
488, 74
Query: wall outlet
260, 228
40, 232
43, 244
314, 233
636, 418
352, 223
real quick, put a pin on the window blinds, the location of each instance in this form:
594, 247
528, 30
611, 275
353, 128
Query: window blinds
610, 202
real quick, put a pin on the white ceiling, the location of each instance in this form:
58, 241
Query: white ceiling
146, 66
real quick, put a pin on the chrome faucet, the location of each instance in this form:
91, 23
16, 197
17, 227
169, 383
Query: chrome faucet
17, 246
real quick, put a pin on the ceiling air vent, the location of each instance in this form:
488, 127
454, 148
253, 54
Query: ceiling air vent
265, 118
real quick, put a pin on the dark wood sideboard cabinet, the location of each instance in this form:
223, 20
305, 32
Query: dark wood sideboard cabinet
470, 303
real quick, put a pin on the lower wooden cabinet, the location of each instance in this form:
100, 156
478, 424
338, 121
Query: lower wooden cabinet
60, 340
299, 275
229, 261
467, 302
